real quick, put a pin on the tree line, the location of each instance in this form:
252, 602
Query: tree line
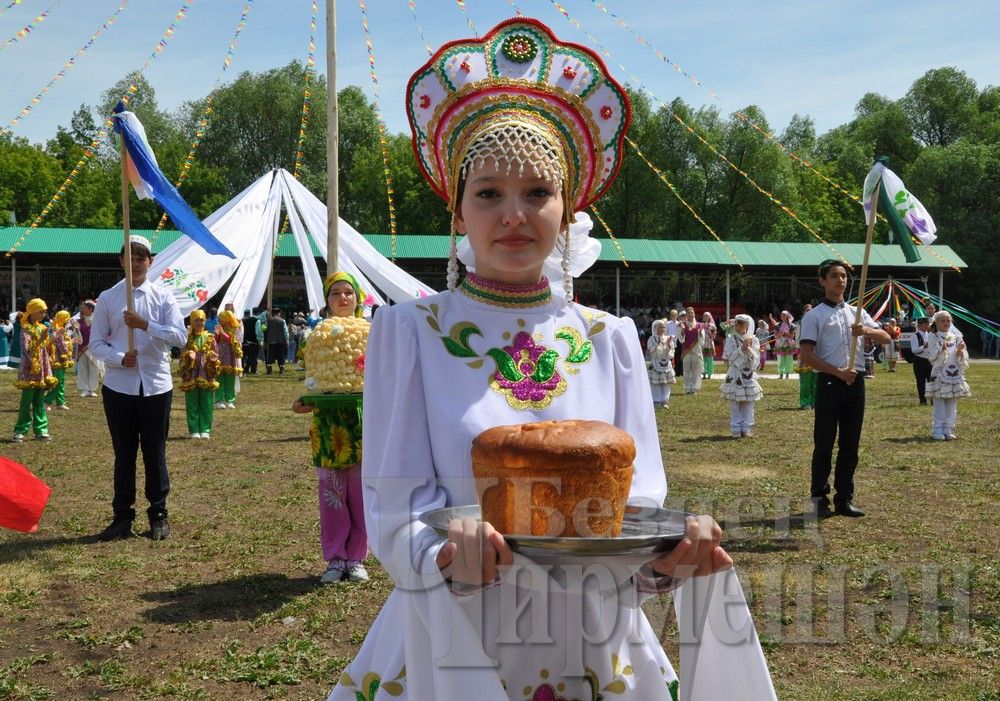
942, 138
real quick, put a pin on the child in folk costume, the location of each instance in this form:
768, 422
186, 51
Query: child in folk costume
763, 334
807, 376
61, 353
89, 369
34, 374
342, 530
517, 131
740, 386
229, 341
949, 360
784, 345
710, 331
692, 335
199, 367
6, 337
660, 347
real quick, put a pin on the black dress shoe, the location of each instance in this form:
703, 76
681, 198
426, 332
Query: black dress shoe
159, 529
823, 509
118, 530
849, 510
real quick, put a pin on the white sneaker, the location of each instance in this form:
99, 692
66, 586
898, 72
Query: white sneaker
205, 435
950, 436
230, 405
195, 435
356, 573
19, 438
938, 436
92, 394
334, 573
84, 394
62, 407
220, 405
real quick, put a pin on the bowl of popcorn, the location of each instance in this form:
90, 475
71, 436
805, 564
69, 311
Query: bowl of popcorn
335, 356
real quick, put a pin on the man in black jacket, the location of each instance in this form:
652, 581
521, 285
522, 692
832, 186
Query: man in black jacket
251, 342
277, 341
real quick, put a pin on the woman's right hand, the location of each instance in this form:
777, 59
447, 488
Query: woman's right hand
474, 552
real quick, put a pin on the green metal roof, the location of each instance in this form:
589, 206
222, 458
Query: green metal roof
751, 254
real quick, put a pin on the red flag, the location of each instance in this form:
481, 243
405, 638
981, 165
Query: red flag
22, 497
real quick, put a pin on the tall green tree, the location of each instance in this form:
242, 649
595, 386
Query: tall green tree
941, 105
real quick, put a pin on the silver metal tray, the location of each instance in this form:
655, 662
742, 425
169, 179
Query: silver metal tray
646, 532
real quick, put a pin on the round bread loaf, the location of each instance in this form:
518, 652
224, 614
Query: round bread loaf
554, 478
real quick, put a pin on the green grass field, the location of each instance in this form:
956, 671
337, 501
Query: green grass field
903, 604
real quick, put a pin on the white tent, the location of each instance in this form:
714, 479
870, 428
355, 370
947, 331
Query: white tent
248, 226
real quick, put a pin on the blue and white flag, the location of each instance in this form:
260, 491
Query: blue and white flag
150, 183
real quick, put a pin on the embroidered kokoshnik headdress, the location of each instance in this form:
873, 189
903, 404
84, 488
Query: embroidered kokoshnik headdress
522, 96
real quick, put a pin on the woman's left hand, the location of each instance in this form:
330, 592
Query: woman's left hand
698, 554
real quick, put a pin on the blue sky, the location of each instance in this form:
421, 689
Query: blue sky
805, 57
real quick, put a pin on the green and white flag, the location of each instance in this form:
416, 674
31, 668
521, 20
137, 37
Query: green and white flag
906, 215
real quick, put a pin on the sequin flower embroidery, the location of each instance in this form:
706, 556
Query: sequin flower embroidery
526, 373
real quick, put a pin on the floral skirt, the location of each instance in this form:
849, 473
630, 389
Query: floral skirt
336, 430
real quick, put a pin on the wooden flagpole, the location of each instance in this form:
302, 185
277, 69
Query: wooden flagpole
332, 139
864, 272
126, 230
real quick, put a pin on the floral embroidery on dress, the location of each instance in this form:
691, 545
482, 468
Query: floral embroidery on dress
371, 683
554, 690
528, 374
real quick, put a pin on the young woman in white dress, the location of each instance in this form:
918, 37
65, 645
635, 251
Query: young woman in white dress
517, 131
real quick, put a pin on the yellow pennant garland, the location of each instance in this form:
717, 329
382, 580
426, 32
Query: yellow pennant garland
14, 3
383, 143
206, 113
662, 176
307, 90
420, 31
133, 88
618, 246
28, 28
468, 20
69, 64
722, 157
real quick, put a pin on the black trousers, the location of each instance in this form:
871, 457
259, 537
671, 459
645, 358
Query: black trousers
250, 353
840, 408
276, 352
136, 422
922, 372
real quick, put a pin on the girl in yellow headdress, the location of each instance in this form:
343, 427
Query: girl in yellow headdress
199, 367
61, 353
34, 375
336, 449
229, 341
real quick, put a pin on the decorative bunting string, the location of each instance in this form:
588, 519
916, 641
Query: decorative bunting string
722, 157
69, 64
468, 20
29, 27
12, 4
206, 113
420, 31
662, 176
518, 12
618, 246
739, 114
307, 90
919, 296
383, 142
89, 152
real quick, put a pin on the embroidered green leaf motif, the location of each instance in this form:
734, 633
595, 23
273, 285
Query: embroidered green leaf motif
579, 350
475, 364
346, 680
432, 322
456, 349
505, 365
457, 342
422, 308
595, 329
675, 690
545, 367
434, 309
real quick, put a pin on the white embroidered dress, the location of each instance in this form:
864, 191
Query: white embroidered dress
948, 365
438, 372
741, 383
